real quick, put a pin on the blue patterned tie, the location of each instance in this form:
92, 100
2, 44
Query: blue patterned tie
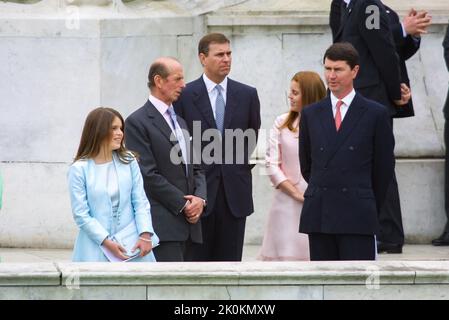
178, 133
219, 109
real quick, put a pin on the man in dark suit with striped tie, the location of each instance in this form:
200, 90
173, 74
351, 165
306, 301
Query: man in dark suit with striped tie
221, 107
175, 187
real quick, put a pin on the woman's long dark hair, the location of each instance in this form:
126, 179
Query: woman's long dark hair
97, 130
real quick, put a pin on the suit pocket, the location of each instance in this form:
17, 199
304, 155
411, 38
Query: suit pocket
365, 193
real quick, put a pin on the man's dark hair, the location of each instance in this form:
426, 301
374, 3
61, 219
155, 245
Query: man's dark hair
203, 45
157, 69
342, 51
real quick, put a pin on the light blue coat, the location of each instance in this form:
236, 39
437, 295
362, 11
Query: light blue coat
92, 207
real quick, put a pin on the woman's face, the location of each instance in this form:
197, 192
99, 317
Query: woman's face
116, 135
294, 97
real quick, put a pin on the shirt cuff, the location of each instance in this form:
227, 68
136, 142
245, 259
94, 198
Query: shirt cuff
404, 34
185, 205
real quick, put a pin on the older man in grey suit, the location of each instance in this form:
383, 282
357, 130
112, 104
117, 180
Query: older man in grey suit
175, 187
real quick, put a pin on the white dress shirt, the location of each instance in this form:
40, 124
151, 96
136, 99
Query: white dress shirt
345, 106
210, 86
162, 107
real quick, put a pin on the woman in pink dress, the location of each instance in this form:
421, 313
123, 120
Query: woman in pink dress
282, 240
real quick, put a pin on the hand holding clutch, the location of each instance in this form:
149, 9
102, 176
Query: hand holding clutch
115, 248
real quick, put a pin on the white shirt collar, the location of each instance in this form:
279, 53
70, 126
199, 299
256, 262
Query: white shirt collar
210, 85
347, 2
160, 105
347, 100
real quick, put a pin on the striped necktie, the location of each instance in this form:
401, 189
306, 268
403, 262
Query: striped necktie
179, 135
219, 109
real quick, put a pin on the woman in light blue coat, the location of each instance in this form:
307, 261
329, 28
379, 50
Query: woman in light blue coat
106, 191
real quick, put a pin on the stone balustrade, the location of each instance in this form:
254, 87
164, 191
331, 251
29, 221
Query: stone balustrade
227, 280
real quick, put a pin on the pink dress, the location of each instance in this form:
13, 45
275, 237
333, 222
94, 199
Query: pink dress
282, 241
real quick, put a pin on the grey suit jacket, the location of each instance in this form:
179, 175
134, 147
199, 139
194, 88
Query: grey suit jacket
165, 182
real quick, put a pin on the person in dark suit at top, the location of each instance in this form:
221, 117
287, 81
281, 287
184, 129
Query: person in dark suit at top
346, 155
379, 76
175, 187
218, 106
381, 79
443, 240
407, 39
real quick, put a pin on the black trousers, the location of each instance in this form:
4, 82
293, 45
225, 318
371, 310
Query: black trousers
390, 216
329, 247
223, 234
170, 251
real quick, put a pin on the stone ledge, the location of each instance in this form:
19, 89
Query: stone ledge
227, 280
312, 12
29, 274
282, 20
255, 273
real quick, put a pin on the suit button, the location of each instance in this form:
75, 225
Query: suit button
179, 154
351, 148
344, 189
324, 188
321, 149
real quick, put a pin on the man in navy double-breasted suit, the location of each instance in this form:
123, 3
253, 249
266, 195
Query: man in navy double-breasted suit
346, 153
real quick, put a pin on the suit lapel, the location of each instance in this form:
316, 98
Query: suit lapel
355, 112
202, 102
345, 13
231, 102
327, 121
185, 132
159, 121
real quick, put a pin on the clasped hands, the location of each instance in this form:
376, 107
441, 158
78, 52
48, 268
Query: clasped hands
193, 209
416, 23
